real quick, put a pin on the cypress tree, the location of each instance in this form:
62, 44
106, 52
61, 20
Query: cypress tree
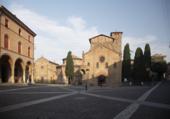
69, 70
126, 64
138, 70
147, 61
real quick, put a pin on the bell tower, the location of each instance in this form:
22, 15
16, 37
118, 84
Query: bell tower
117, 36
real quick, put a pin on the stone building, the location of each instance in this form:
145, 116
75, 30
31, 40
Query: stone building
45, 71
101, 64
78, 63
16, 49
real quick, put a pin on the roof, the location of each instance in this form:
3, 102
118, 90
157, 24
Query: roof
53, 62
46, 60
158, 55
16, 20
100, 35
74, 57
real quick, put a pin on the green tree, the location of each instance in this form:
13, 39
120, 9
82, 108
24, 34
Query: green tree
160, 68
138, 68
126, 64
69, 71
147, 61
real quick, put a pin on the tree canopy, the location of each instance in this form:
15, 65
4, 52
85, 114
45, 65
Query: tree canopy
69, 70
126, 65
139, 68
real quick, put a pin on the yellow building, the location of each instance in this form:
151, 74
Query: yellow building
78, 63
45, 71
100, 65
16, 49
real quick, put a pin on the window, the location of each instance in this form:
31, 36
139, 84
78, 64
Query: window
97, 65
19, 47
106, 65
88, 64
19, 31
6, 23
6, 42
102, 59
29, 38
28, 51
42, 67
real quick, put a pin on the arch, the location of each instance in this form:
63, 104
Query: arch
18, 71
83, 71
5, 68
101, 79
78, 77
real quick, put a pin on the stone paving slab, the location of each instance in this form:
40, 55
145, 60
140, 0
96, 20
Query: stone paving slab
73, 107
132, 92
146, 112
7, 87
45, 89
10, 99
161, 94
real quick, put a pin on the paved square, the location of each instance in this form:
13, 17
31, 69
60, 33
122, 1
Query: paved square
65, 102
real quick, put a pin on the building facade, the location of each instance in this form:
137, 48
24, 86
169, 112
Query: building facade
100, 65
45, 71
78, 75
16, 49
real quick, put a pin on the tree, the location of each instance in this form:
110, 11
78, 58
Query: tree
160, 68
147, 60
69, 71
126, 64
138, 68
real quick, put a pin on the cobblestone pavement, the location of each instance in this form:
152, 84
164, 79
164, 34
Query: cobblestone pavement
69, 102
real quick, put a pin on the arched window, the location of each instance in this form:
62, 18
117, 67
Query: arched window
19, 47
97, 65
6, 23
6, 41
88, 64
19, 31
106, 65
28, 51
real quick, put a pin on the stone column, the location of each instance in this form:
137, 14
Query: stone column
23, 76
12, 80
32, 74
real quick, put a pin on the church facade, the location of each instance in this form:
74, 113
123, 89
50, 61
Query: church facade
101, 65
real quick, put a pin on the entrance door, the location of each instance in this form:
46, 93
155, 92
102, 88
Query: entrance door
101, 80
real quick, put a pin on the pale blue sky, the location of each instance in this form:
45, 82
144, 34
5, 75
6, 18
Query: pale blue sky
141, 21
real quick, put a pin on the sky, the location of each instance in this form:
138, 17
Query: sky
63, 25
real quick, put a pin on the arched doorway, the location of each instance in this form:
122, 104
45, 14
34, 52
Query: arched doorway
18, 72
101, 80
77, 78
5, 68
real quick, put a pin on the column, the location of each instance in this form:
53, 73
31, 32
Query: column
23, 76
12, 80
